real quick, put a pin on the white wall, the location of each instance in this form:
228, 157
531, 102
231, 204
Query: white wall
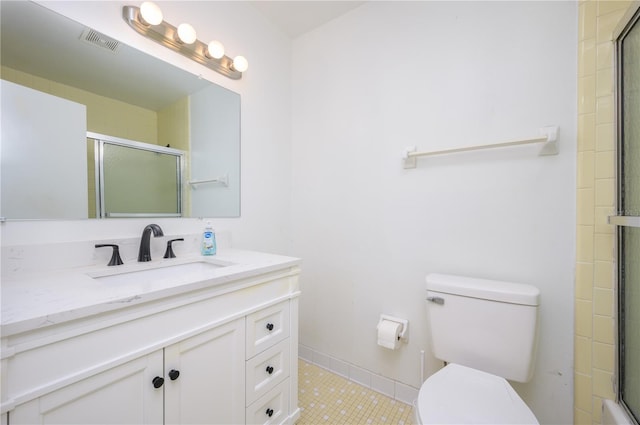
435, 75
265, 125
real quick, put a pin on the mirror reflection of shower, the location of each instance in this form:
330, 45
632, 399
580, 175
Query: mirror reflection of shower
134, 179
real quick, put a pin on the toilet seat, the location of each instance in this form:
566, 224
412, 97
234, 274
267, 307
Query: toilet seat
460, 395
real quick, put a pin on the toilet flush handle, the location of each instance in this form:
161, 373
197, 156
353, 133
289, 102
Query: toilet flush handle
437, 300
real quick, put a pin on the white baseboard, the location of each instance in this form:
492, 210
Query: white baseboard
394, 389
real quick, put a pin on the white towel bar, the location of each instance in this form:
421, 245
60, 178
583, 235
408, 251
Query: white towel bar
222, 179
548, 137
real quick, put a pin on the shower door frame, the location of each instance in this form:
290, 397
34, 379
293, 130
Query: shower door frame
621, 219
100, 140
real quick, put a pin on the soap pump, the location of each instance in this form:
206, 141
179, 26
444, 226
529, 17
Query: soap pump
208, 241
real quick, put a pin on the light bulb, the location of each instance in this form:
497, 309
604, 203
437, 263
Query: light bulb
186, 33
240, 63
150, 13
215, 49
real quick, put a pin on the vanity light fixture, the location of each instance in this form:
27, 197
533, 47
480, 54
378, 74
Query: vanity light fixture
148, 21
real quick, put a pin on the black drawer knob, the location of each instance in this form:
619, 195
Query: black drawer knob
270, 326
158, 381
174, 374
269, 412
269, 370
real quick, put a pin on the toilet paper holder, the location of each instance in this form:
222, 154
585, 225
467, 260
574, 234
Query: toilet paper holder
404, 331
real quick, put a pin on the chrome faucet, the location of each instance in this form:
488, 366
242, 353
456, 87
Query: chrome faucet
144, 254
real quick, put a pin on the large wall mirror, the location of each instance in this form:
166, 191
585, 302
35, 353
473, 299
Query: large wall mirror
65, 87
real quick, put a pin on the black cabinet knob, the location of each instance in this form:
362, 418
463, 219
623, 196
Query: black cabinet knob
269, 370
174, 374
269, 412
270, 326
158, 381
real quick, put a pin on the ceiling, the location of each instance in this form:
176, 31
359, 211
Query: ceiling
297, 17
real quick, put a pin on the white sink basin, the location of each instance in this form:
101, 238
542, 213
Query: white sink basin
163, 273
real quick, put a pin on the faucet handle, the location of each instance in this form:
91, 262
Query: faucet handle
169, 252
115, 257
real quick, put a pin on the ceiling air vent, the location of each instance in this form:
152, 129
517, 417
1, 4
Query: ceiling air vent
97, 39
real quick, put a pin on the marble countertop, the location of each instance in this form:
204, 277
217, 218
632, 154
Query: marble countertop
36, 300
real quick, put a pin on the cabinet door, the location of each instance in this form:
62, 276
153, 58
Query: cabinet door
205, 377
122, 395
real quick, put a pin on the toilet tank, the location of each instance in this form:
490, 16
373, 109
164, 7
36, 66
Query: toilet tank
484, 324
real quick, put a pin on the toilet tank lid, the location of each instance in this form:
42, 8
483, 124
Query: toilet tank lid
509, 292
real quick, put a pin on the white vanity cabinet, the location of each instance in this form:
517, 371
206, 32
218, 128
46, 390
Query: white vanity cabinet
220, 354
198, 382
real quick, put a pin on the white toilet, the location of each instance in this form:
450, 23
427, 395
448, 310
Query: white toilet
486, 332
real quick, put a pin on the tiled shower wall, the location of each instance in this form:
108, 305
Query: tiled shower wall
595, 302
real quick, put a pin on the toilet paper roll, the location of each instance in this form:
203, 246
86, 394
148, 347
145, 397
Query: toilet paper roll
388, 334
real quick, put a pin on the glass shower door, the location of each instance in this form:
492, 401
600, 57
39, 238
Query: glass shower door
628, 216
138, 179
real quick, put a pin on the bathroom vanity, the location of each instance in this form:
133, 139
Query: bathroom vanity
191, 340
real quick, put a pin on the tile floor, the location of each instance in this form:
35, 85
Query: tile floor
327, 398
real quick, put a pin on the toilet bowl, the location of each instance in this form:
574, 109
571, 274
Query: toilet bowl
486, 332
461, 395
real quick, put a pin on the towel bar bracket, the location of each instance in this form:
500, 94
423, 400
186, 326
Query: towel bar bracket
409, 161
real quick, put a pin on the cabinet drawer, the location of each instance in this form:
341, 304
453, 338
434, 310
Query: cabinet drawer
272, 408
266, 328
266, 370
